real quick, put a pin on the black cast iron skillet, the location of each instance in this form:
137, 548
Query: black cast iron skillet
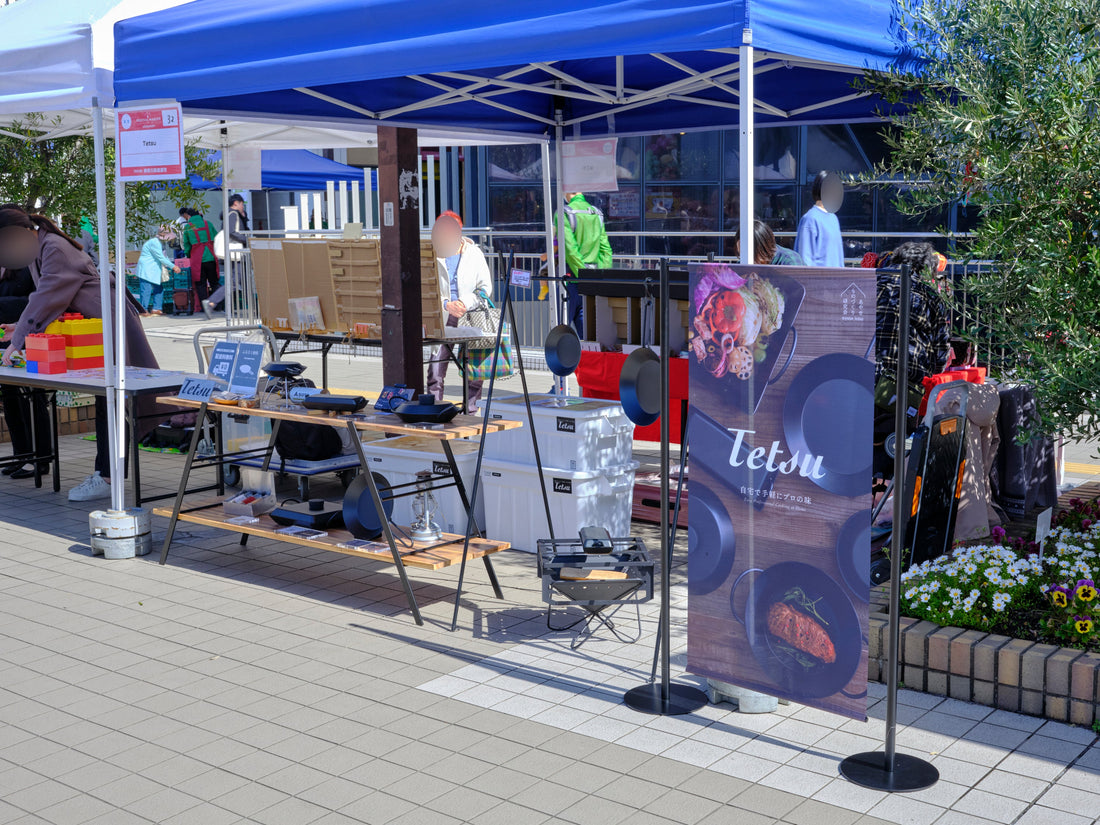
640, 387
563, 350
828, 415
360, 514
838, 618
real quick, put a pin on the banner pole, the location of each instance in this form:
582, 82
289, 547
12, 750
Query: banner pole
665, 698
889, 770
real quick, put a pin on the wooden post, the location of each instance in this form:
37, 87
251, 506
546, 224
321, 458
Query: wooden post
399, 223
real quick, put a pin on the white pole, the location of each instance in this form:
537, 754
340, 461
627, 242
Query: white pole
109, 373
444, 179
431, 191
342, 211
423, 200
303, 212
748, 162
330, 205
368, 200
227, 270
318, 218
355, 201
559, 202
118, 454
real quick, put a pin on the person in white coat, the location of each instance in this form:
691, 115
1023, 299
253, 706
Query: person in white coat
464, 278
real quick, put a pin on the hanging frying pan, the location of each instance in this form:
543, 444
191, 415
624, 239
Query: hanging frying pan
360, 514
827, 414
711, 542
802, 628
640, 387
853, 554
563, 350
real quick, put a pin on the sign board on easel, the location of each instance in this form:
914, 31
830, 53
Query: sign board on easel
150, 142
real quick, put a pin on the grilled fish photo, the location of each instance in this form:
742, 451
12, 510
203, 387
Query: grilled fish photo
801, 632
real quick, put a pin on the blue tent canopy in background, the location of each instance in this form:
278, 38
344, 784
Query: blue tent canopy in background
296, 170
626, 66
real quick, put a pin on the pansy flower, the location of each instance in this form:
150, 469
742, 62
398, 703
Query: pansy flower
1085, 590
1082, 624
1059, 595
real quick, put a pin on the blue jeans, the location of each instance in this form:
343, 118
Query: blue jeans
574, 307
148, 293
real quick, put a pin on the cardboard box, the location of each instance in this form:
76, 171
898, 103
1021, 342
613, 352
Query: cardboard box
269, 270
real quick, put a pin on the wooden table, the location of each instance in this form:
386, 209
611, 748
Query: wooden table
450, 549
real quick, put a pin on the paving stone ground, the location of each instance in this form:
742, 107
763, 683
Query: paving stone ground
276, 684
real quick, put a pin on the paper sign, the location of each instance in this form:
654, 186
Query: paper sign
1042, 528
244, 169
589, 165
197, 389
387, 214
521, 277
150, 143
221, 360
246, 369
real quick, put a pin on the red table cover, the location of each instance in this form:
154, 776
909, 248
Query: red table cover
598, 376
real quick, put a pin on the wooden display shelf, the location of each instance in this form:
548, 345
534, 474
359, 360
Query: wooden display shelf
461, 426
423, 555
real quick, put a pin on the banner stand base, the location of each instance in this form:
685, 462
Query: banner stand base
681, 699
909, 774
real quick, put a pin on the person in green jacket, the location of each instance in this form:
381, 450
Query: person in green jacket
586, 247
198, 245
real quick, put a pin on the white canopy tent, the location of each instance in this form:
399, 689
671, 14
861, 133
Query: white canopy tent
58, 59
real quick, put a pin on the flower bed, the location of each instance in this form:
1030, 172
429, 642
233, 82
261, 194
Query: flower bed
1000, 625
1011, 588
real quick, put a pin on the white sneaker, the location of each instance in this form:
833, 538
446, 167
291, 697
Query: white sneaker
208, 308
93, 487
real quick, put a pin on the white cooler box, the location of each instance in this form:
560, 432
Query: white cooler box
574, 433
400, 459
578, 498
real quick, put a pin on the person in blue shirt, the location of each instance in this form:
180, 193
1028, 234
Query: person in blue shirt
818, 240
149, 270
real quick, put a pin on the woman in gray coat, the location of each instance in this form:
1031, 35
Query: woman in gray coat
66, 280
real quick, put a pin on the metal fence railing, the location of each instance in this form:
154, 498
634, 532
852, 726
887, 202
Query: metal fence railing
536, 313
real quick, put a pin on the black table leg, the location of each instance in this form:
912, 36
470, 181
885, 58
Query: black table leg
135, 462
183, 485
55, 442
324, 364
461, 487
385, 523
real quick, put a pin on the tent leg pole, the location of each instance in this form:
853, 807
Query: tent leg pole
103, 246
118, 421
559, 293
745, 117
227, 273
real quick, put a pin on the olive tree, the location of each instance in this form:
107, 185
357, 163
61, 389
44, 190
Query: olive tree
1001, 110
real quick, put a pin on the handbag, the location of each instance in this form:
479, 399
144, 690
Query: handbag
479, 360
165, 274
486, 318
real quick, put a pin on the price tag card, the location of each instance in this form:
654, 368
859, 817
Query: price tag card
245, 377
1042, 528
521, 277
197, 389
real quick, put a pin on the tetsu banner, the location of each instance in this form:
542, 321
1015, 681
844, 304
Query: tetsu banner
780, 437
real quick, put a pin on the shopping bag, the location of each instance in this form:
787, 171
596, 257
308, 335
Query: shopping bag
486, 318
479, 360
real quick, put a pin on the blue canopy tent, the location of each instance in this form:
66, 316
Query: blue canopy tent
577, 68
295, 170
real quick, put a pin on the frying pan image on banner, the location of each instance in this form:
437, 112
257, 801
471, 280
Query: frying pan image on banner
802, 628
711, 542
712, 450
563, 350
827, 414
853, 554
745, 391
360, 514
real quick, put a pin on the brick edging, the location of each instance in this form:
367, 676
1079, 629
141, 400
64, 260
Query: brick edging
1054, 682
